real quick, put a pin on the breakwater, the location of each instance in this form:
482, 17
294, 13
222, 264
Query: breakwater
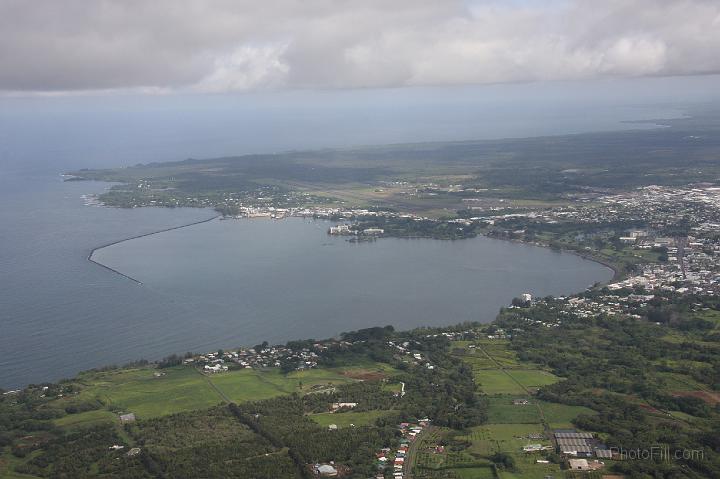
92, 252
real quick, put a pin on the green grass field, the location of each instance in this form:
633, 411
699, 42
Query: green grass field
492, 438
509, 425
345, 419
141, 392
487, 359
533, 378
671, 382
526, 468
474, 473
478, 363
86, 418
560, 416
361, 367
184, 389
501, 410
496, 381
497, 349
252, 385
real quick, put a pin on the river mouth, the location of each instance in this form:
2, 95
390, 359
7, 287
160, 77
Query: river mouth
258, 279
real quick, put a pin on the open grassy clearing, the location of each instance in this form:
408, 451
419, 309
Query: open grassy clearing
711, 316
348, 419
501, 410
394, 388
491, 438
501, 353
499, 349
7, 465
141, 392
474, 473
514, 377
479, 362
486, 343
533, 378
149, 392
526, 468
496, 381
560, 416
688, 418
489, 354
252, 385
677, 382
87, 418
365, 370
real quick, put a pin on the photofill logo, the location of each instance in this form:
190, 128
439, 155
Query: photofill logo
658, 453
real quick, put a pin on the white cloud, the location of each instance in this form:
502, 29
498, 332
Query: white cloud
246, 68
634, 56
228, 45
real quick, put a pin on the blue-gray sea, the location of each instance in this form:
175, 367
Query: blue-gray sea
229, 283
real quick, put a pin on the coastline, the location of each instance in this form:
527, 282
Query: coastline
617, 275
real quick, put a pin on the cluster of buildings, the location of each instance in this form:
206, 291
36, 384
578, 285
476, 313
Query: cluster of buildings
672, 233
262, 212
319, 212
657, 207
609, 304
162, 193
690, 265
407, 354
618, 302
255, 358
581, 450
267, 356
325, 470
348, 229
662, 206
577, 444
406, 351
499, 333
395, 460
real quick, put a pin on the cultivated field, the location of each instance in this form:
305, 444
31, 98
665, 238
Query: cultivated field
348, 419
149, 392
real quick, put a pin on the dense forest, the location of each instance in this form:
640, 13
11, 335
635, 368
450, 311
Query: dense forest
622, 369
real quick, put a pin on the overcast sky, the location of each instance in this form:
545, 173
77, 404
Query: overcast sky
246, 45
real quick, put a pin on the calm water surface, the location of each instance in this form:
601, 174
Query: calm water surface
256, 279
59, 313
228, 283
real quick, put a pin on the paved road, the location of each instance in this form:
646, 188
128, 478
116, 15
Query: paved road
410, 457
215, 388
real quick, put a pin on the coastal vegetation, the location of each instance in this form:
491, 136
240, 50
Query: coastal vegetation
489, 394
